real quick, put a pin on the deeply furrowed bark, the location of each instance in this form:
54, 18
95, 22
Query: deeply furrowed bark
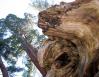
72, 47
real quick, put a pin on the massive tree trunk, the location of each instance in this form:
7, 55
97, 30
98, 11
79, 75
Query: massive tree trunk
72, 47
3, 69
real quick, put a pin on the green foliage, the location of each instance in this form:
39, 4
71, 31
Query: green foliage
41, 4
11, 47
14, 69
11, 29
31, 69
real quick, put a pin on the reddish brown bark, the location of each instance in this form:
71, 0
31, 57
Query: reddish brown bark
32, 53
3, 69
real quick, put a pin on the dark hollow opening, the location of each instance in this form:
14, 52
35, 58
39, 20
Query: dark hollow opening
62, 60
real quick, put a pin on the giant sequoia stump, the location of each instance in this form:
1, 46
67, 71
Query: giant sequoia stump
72, 47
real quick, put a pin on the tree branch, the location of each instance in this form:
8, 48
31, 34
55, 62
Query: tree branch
3, 68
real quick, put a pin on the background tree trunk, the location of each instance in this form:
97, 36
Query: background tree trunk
32, 53
3, 68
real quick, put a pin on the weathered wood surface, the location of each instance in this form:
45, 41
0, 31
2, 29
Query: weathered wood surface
72, 47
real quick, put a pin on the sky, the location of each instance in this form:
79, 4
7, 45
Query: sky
19, 7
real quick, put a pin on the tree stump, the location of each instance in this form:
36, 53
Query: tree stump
72, 47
